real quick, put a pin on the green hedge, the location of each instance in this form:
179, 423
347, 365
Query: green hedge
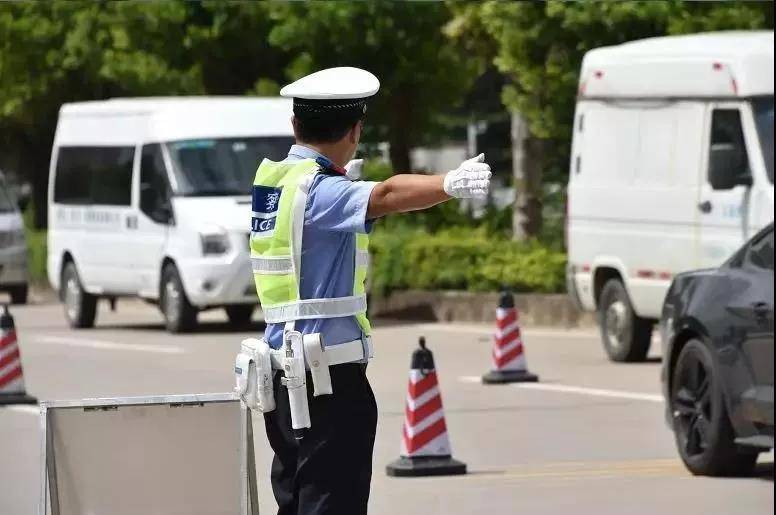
37, 253
37, 248
463, 260
458, 259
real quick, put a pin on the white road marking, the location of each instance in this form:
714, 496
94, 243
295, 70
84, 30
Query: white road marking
595, 392
580, 390
484, 330
107, 345
30, 410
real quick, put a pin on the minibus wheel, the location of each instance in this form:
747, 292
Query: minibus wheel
179, 315
625, 335
80, 306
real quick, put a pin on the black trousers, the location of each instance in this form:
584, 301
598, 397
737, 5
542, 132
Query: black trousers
328, 472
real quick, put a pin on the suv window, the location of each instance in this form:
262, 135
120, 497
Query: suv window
154, 187
94, 175
760, 252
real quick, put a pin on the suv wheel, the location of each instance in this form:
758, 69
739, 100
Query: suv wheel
80, 306
704, 435
625, 335
179, 315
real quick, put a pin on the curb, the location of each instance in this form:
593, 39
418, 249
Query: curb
548, 310
536, 309
42, 295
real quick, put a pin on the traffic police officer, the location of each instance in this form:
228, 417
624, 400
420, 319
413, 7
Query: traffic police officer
309, 255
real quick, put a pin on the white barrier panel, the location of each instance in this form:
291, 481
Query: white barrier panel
165, 455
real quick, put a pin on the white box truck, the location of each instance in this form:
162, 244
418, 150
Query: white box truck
151, 198
671, 170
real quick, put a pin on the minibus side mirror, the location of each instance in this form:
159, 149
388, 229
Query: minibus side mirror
164, 213
155, 205
728, 167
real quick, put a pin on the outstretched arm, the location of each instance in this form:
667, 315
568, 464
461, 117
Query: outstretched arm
408, 192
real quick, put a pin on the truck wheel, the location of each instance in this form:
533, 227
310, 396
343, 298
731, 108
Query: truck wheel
19, 294
239, 315
80, 306
625, 335
179, 315
704, 435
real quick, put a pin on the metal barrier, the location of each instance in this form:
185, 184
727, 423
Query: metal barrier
170, 454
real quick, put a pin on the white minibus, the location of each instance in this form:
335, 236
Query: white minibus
671, 170
150, 197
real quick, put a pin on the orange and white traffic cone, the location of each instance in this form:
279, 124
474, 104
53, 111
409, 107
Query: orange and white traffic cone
11, 376
425, 447
509, 365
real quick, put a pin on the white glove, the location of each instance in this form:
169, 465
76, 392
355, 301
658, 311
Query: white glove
353, 169
470, 180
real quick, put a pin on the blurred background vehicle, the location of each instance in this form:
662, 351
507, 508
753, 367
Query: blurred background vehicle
13, 247
717, 328
671, 170
150, 197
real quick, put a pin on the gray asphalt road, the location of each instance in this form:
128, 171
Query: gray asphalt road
588, 439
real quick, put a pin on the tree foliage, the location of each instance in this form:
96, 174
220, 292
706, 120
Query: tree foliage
57, 52
540, 45
420, 72
63, 51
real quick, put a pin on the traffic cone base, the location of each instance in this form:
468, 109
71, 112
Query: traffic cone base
509, 376
17, 398
426, 466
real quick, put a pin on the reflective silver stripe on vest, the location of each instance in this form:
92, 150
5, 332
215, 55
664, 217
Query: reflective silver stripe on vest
362, 258
256, 214
315, 308
272, 265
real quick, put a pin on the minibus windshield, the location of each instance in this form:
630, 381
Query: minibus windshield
763, 117
224, 166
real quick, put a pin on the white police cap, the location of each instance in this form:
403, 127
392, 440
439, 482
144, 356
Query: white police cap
334, 84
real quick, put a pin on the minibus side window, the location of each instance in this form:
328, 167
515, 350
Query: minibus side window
728, 158
94, 175
154, 188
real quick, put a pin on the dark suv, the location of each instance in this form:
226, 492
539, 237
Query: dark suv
717, 329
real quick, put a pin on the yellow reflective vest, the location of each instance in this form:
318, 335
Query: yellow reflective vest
280, 193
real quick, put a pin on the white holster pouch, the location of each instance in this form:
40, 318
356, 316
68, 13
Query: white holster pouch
295, 381
318, 362
253, 375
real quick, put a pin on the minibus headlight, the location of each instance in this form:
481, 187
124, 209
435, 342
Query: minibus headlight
214, 243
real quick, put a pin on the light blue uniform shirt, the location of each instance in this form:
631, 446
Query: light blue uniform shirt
336, 211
